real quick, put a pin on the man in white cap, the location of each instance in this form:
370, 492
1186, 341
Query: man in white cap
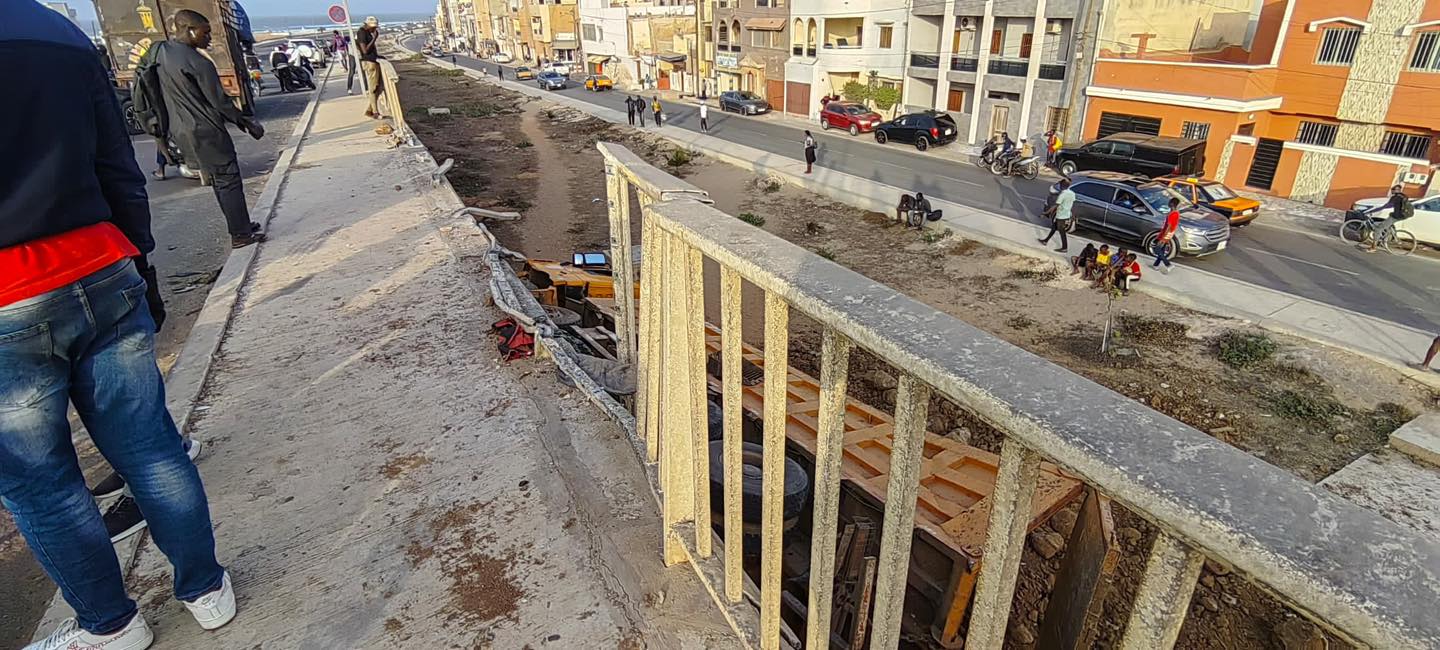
366, 42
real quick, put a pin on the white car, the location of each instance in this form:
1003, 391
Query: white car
558, 67
1425, 225
501, 57
320, 58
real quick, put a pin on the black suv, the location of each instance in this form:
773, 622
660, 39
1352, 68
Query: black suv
920, 129
1135, 153
1133, 209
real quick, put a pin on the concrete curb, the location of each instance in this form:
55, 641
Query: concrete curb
865, 194
187, 377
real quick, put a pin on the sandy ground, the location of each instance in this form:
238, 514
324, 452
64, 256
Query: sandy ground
1304, 408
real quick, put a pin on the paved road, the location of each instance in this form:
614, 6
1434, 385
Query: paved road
191, 246
1402, 290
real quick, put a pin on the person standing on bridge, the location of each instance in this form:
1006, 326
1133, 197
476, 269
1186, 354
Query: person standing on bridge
367, 42
809, 151
74, 281
199, 110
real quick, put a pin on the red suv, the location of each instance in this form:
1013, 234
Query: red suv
849, 115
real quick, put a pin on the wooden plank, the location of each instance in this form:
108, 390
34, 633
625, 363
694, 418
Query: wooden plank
1082, 582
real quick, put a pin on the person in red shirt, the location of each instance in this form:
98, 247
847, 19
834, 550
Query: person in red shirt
1165, 243
77, 329
1128, 272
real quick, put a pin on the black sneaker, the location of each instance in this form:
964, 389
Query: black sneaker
123, 519
110, 486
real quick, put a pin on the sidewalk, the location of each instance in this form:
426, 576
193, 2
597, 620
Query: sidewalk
376, 477
1387, 342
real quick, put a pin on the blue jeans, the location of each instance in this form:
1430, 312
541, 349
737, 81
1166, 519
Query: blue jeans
92, 344
1163, 252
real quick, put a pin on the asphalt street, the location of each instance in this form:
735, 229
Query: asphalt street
1321, 268
191, 244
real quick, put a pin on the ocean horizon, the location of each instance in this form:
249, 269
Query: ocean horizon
307, 22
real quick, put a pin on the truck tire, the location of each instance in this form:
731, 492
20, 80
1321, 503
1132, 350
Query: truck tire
797, 482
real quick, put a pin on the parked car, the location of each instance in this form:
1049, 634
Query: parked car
1216, 196
322, 57
1133, 209
598, 82
549, 80
924, 129
524, 72
743, 102
1135, 153
1425, 225
856, 118
558, 67
501, 57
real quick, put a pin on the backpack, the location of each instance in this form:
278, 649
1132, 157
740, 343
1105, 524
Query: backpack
146, 96
1405, 210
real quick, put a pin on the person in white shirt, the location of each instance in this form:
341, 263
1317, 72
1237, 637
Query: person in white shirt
704, 118
1060, 219
302, 55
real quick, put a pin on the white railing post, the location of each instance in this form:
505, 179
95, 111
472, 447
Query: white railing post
652, 278
699, 413
772, 516
677, 467
912, 403
1164, 595
1010, 505
621, 268
834, 381
730, 340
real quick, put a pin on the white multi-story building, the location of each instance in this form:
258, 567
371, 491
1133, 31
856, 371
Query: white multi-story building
606, 40
831, 46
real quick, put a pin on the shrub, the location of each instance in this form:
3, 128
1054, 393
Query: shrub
771, 186
752, 219
1300, 406
1040, 275
1241, 350
855, 92
885, 97
679, 157
932, 236
1154, 331
825, 253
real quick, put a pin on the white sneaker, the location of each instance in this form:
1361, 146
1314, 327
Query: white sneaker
134, 636
213, 610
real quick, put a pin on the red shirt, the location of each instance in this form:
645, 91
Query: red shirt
1132, 268
1172, 221
35, 267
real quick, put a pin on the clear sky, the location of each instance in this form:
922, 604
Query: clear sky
86, 9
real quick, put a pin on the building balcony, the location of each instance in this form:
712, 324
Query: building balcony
1008, 67
924, 60
1052, 71
965, 63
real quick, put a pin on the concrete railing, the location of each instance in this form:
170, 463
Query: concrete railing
389, 81
1358, 575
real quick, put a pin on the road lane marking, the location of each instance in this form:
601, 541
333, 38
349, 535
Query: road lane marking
1296, 259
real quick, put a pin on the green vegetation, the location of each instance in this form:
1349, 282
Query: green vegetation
1153, 331
885, 97
933, 236
1040, 275
679, 157
1301, 406
1241, 350
752, 219
856, 92
825, 253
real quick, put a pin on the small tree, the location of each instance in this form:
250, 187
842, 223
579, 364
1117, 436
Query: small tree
885, 97
856, 92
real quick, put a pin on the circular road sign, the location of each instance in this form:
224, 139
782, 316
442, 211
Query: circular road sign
337, 15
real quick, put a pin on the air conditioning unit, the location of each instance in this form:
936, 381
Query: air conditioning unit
1053, 28
967, 24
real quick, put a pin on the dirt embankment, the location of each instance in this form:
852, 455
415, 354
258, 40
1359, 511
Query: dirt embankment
1304, 408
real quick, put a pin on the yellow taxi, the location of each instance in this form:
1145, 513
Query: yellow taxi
1216, 196
522, 73
598, 82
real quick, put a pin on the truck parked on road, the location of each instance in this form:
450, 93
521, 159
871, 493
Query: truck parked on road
130, 27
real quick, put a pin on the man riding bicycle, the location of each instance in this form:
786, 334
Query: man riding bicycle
1400, 210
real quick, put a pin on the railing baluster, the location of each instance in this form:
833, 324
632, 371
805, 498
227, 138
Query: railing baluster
730, 338
777, 348
699, 414
1164, 595
834, 379
620, 266
677, 470
652, 277
1010, 505
912, 402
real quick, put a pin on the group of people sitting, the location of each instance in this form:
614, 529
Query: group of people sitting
1106, 268
914, 211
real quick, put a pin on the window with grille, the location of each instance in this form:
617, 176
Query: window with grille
1407, 145
1317, 133
1337, 46
1195, 130
1057, 119
1427, 52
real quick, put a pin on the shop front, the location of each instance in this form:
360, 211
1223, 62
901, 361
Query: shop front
727, 72
595, 63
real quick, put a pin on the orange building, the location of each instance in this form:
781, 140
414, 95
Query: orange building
1324, 101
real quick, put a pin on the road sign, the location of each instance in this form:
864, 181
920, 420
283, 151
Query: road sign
338, 15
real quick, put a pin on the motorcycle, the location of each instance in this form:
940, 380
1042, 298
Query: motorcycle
1016, 165
302, 77
987, 154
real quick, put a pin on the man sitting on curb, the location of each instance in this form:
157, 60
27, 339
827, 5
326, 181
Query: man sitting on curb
76, 328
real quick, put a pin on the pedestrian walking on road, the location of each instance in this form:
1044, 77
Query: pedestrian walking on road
630, 109
199, 111
1060, 215
74, 234
655, 106
704, 118
1165, 242
1430, 355
640, 110
809, 151
367, 42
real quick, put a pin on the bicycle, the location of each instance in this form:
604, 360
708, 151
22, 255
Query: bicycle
1360, 229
